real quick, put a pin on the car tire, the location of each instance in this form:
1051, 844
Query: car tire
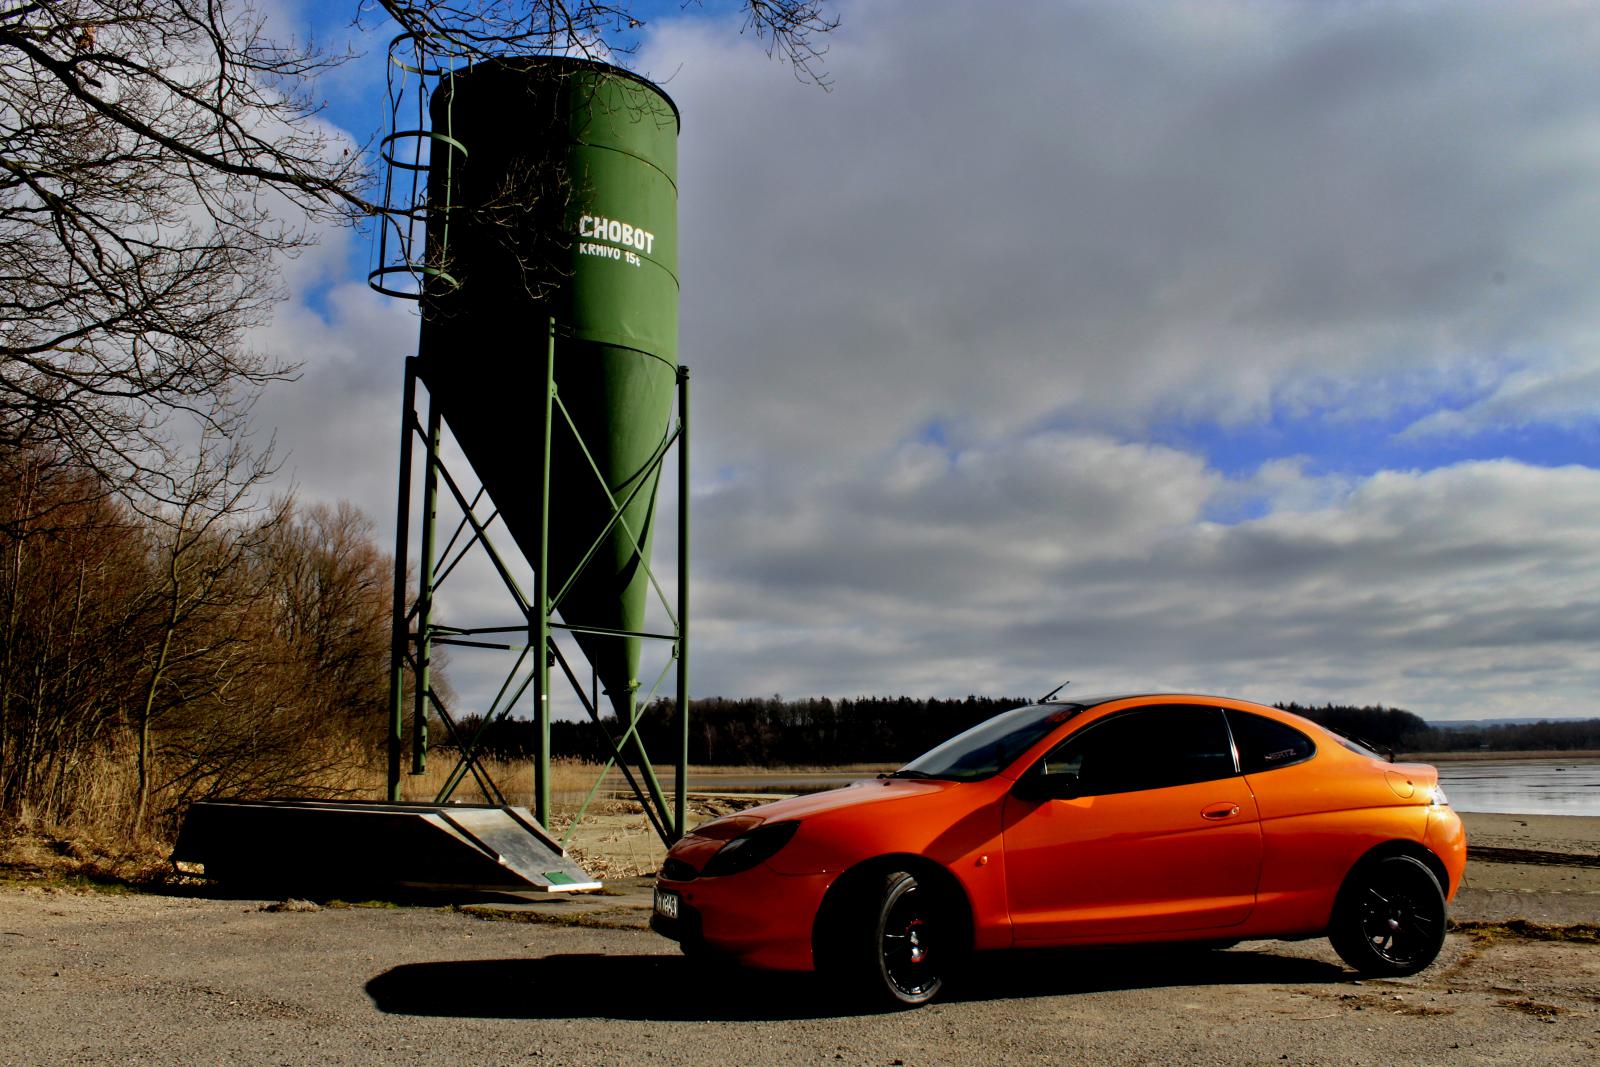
913, 942
888, 938
1389, 920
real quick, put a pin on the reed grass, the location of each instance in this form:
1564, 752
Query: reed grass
613, 839
91, 829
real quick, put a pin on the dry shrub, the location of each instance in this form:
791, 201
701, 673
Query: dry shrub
33, 852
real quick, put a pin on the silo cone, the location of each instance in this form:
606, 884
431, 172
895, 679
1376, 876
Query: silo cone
555, 195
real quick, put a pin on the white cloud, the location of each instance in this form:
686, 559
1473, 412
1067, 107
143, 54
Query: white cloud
1556, 392
338, 424
933, 313
1115, 212
1401, 588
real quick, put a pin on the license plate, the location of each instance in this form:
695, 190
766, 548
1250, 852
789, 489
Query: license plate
666, 903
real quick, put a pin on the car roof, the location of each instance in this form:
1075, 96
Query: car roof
1096, 699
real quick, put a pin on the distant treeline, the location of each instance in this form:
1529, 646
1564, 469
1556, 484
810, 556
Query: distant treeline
1386, 728
1403, 731
774, 732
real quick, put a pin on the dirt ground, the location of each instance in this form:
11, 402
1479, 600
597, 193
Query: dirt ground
92, 977
158, 980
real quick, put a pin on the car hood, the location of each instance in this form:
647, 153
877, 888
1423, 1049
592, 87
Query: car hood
873, 791
839, 826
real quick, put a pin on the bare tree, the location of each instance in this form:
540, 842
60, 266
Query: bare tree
202, 595
789, 29
73, 564
152, 653
331, 589
148, 151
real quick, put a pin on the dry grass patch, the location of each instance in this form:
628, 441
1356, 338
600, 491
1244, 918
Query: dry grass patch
613, 839
77, 859
1486, 932
1541, 1011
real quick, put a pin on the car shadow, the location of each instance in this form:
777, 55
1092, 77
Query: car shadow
1063, 972
665, 988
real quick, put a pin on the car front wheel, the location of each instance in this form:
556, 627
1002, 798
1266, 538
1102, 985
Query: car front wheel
1390, 918
913, 939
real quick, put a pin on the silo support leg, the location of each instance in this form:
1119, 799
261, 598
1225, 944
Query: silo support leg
541, 598
646, 770
680, 806
425, 585
400, 636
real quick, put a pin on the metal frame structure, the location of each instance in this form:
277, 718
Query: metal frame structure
416, 631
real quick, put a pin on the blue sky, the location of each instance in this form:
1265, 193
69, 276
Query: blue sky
1250, 347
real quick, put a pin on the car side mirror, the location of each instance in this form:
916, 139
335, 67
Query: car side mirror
1059, 786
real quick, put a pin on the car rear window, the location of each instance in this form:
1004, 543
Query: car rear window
1267, 744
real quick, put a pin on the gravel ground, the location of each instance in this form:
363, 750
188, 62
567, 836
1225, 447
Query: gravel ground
162, 980
146, 979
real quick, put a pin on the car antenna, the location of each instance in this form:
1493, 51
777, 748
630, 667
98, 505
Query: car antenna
1046, 698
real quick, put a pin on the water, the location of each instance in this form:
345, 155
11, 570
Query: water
1523, 786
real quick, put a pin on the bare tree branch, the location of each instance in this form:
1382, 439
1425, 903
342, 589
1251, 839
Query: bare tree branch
150, 153
474, 29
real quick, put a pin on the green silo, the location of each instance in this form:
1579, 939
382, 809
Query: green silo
553, 195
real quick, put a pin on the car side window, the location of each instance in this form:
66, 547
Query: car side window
1266, 744
1149, 748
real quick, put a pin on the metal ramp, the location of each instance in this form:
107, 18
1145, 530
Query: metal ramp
347, 845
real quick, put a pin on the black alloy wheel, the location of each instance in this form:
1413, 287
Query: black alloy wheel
1390, 919
913, 941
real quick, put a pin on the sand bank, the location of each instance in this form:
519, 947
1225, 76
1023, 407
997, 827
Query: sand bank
1540, 867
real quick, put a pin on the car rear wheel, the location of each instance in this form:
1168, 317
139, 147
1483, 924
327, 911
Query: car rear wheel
1390, 918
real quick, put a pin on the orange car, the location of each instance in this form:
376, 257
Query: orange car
1112, 820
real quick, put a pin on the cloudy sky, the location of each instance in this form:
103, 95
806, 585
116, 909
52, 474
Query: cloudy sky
1250, 347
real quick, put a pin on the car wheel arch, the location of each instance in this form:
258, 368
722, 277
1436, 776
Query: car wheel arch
1383, 851
848, 890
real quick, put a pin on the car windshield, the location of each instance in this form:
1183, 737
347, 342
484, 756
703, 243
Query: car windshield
992, 744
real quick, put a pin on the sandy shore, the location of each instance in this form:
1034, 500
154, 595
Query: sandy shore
1459, 757
1576, 834
1540, 867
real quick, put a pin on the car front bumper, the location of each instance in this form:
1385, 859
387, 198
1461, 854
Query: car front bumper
759, 917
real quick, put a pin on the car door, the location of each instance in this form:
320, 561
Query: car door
1138, 823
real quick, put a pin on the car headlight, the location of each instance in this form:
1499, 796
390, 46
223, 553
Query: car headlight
749, 849
1439, 800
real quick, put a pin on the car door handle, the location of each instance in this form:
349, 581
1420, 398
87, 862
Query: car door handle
1218, 812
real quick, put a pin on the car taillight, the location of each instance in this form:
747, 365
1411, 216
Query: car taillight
748, 850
